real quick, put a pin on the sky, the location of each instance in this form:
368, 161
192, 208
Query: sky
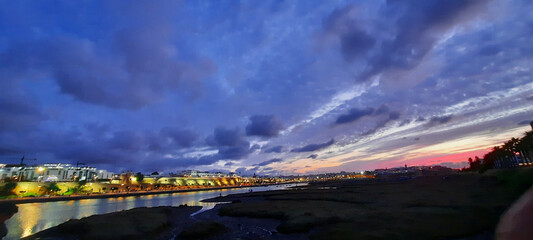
266, 87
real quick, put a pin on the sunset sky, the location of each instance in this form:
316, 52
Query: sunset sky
266, 87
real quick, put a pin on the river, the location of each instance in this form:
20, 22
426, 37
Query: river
35, 217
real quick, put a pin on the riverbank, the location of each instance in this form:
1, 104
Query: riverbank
21, 200
138, 223
463, 206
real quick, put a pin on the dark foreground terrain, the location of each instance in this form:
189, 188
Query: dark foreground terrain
460, 206
138, 223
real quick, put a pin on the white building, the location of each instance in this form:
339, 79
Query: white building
196, 173
52, 173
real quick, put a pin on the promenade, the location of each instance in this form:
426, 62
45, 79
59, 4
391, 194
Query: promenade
20, 200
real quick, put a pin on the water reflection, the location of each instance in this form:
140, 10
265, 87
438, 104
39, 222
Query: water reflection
35, 217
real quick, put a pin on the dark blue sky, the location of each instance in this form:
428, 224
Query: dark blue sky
262, 86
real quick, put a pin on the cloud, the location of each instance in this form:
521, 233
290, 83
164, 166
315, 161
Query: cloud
133, 67
490, 50
127, 140
264, 126
224, 137
525, 122
382, 123
355, 43
230, 144
247, 171
314, 147
438, 120
353, 115
274, 160
275, 149
147, 88
180, 137
16, 113
400, 42
394, 115
229, 164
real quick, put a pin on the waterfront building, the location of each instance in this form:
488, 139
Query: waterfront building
196, 173
52, 173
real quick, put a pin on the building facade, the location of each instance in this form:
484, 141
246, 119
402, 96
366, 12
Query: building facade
52, 173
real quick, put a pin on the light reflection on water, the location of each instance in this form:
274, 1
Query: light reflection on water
35, 217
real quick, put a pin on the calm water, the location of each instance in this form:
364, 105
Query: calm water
35, 217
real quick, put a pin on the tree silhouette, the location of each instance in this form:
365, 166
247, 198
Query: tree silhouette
52, 188
79, 188
8, 188
139, 177
512, 153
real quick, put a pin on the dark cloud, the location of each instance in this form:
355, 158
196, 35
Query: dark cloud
405, 122
230, 144
355, 43
224, 137
180, 137
413, 26
275, 149
394, 115
490, 50
136, 66
434, 121
525, 122
247, 171
313, 156
314, 147
16, 113
127, 140
274, 160
530, 98
353, 115
264, 126
255, 147
236, 152
229, 164
383, 109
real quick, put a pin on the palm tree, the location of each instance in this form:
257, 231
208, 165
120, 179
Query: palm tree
52, 188
525, 146
80, 188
